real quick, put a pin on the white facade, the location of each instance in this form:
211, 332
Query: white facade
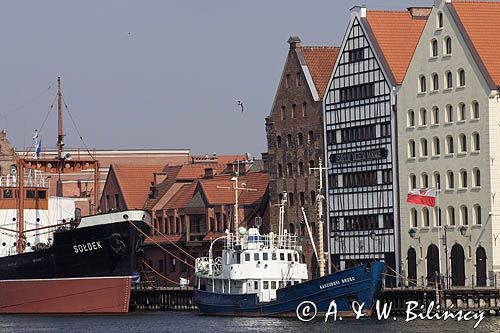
448, 135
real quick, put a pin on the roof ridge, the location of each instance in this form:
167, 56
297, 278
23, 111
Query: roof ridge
321, 46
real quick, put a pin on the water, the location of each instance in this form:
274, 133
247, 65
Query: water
179, 322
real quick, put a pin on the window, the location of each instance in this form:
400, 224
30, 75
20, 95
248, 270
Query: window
413, 182
302, 199
422, 84
359, 133
451, 215
387, 176
425, 217
449, 80
464, 215
298, 80
461, 111
311, 165
356, 55
256, 257
463, 178
161, 266
289, 142
266, 285
477, 177
434, 48
291, 200
280, 170
300, 139
173, 265
477, 214
440, 20
385, 130
437, 180
475, 110
451, 180
313, 197
476, 143
310, 137
423, 117
411, 149
282, 256
358, 179
283, 112
357, 92
449, 113
447, 45
437, 213
413, 218
304, 109
247, 257
264, 256
425, 180
288, 82
278, 141
30, 194
289, 170
436, 149
294, 111
463, 143
423, 148
42, 194
435, 115
461, 78
449, 145
411, 118
435, 82
117, 201
301, 168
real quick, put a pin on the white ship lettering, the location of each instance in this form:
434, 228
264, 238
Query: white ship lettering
85, 247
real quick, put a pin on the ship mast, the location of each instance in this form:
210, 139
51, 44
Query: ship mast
319, 206
60, 134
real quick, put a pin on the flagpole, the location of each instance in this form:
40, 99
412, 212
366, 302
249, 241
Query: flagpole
439, 224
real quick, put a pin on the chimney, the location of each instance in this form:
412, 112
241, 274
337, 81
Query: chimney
159, 177
209, 173
358, 11
419, 12
294, 42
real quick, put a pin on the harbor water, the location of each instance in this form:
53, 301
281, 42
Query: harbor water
179, 322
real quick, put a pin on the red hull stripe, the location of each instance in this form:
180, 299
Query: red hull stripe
75, 295
423, 200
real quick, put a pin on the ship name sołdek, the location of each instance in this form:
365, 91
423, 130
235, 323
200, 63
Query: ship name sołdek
365, 155
337, 282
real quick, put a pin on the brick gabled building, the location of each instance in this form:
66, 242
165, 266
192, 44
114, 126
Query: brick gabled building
295, 135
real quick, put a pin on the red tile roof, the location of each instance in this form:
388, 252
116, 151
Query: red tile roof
481, 23
182, 197
397, 34
225, 196
167, 195
320, 61
135, 182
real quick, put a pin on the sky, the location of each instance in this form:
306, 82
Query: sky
156, 74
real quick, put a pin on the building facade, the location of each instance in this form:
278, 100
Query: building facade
295, 137
449, 138
360, 131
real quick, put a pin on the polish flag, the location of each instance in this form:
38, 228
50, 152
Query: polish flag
423, 196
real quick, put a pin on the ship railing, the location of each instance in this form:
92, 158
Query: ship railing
202, 266
287, 242
29, 181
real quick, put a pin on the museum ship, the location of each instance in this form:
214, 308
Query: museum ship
52, 260
262, 275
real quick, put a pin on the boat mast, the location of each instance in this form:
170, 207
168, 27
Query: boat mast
60, 134
319, 206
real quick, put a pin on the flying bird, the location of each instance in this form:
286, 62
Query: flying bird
240, 104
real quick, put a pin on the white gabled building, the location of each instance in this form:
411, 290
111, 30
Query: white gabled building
360, 135
449, 137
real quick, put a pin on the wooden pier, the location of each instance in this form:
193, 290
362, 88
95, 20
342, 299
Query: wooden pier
162, 299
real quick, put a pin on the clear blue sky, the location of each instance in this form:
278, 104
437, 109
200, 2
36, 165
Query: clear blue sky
156, 74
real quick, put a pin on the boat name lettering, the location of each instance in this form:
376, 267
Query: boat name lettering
91, 246
337, 282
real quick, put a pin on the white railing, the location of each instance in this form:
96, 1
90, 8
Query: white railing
29, 181
287, 241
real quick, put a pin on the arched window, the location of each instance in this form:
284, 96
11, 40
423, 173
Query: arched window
411, 118
461, 78
289, 140
476, 144
278, 141
435, 82
423, 148
477, 177
449, 145
311, 165
425, 180
461, 111
462, 139
426, 217
414, 218
423, 117
313, 197
411, 149
464, 215
301, 168
435, 115
447, 45
310, 137
291, 200
475, 110
422, 83
437, 180
413, 182
300, 139
451, 215
463, 178
289, 170
436, 149
280, 170
437, 216
449, 113
449, 80
440, 20
434, 48
291, 228
477, 214
451, 180
304, 109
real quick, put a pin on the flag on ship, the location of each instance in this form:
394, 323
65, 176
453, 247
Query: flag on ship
38, 148
423, 196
